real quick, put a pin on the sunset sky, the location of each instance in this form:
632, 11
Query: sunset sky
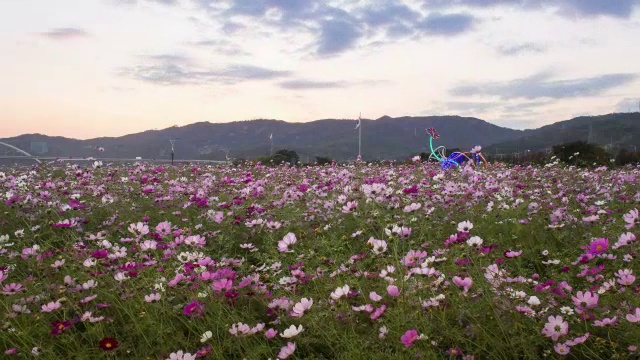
89, 68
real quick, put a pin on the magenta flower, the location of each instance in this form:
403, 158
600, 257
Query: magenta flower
99, 254
393, 290
409, 337
378, 312
598, 246
194, 309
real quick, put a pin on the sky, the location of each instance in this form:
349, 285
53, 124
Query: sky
90, 68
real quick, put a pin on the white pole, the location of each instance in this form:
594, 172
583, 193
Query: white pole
360, 136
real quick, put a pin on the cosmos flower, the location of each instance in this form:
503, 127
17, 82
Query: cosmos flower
108, 344
555, 327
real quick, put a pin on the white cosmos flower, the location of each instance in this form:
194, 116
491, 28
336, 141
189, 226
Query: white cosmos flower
206, 336
292, 331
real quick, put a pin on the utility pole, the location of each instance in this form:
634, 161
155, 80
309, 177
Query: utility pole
360, 136
271, 138
173, 141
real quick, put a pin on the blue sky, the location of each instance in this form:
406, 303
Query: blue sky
87, 68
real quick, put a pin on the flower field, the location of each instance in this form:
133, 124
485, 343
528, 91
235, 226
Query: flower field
395, 261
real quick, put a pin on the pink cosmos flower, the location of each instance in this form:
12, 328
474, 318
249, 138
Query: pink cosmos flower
393, 290
181, 355
409, 337
413, 256
374, 296
287, 350
301, 307
222, 285
606, 322
586, 300
52, 306
590, 219
631, 218
625, 277
555, 327
152, 297
464, 283
88, 298
288, 240
13, 288
634, 317
271, 333
578, 340
512, 254
561, 349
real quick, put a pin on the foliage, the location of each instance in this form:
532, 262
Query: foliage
626, 156
581, 153
280, 157
320, 160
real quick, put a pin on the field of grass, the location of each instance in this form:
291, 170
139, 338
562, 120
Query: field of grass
361, 261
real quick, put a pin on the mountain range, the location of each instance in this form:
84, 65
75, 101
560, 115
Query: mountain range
383, 138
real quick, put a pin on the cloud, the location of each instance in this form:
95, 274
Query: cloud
541, 86
180, 70
65, 33
473, 108
338, 27
589, 8
628, 104
305, 84
222, 47
446, 24
570, 8
132, 2
512, 50
336, 36
311, 84
389, 13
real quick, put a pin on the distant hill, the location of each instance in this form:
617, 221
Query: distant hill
384, 138
612, 131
